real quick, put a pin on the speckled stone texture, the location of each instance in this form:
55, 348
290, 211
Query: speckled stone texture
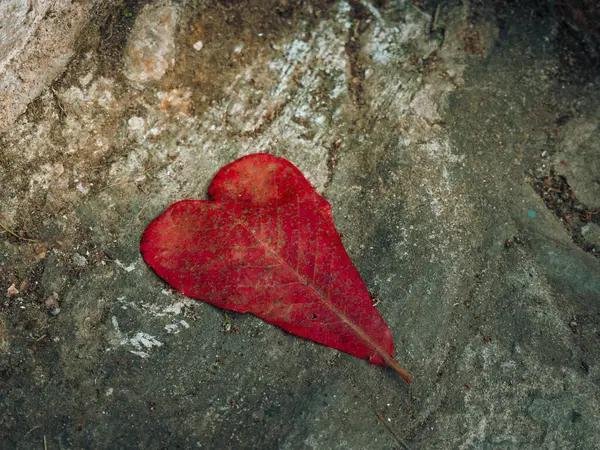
457, 145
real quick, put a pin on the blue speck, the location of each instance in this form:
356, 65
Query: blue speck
531, 213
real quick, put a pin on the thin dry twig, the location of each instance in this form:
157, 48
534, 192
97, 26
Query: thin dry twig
434, 22
61, 108
12, 233
400, 441
34, 428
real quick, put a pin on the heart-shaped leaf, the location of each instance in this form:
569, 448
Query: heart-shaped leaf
267, 245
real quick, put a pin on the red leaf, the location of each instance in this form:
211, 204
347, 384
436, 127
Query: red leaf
267, 245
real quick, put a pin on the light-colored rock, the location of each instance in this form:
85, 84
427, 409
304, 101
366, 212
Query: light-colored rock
151, 46
37, 40
18, 21
591, 233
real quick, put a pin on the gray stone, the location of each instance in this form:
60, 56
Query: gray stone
79, 260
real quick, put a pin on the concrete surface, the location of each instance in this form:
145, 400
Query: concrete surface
457, 143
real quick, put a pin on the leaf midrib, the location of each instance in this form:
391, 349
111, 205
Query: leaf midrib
390, 361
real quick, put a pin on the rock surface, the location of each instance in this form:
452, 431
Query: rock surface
438, 135
37, 40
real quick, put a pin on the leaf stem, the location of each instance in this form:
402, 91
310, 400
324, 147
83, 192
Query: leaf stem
403, 373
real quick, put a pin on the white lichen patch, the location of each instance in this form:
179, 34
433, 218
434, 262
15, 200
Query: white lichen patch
141, 342
77, 100
174, 328
157, 310
126, 268
176, 308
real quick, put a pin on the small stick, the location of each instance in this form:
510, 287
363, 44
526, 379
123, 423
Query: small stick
398, 440
59, 103
11, 232
435, 18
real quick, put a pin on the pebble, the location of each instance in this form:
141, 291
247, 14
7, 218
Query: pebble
136, 124
79, 260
